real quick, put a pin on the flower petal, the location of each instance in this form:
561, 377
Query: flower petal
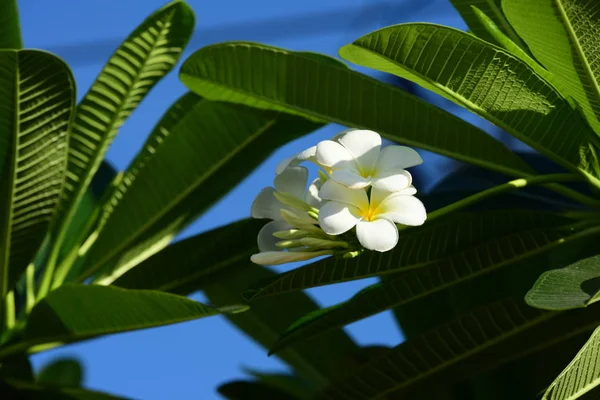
379, 235
336, 218
266, 205
331, 190
282, 257
266, 240
392, 180
333, 155
378, 195
364, 145
350, 179
397, 157
292, 180
312, 194
294, 161
405, 210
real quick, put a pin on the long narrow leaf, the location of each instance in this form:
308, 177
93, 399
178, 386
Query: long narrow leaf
10, 27
568, 28
419, 247
487, 336
148, 54
272, 78
421, 282
35, 112
77, 312
486, 80
193, 263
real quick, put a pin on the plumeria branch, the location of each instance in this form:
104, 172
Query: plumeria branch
506, 187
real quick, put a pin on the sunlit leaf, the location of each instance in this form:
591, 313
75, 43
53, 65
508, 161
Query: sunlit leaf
35, 111
485, 79
271, 78
567, 28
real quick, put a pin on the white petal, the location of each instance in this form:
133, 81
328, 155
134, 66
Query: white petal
331, 190
266, 240
392, 180
350, 179
312, 194
266, 205
397, 157
292, 180
379, 235
282, 257
336, 218
294, 161
334, 155
364, 145
405, 210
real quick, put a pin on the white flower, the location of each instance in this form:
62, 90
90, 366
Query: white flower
356, 160
375, 218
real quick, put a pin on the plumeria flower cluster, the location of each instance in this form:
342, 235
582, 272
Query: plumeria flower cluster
361, 193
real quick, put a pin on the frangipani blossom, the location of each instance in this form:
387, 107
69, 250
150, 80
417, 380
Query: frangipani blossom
356, 160
375, 218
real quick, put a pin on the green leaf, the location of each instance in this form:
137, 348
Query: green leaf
418, 283
484, 79
10, 27
568, 28
488, 336
195, 262
35, 112
271, 78
580, 376
148, 54
493, 9
187, 174
290, 384
251, 390
419, 247
61, 372
575, 286
77, 312
316, 360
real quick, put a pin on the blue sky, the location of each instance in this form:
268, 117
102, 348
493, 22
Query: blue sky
188, 361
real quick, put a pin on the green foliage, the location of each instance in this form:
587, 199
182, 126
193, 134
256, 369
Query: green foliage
10, 30
61, 372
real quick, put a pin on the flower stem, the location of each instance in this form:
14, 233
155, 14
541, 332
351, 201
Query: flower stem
9, 310
506, 187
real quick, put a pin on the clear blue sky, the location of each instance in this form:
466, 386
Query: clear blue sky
188, 361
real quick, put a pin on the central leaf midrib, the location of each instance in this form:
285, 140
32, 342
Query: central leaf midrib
586, 66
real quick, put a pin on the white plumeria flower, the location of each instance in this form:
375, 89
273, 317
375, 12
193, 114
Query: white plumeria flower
375, 218
356, 160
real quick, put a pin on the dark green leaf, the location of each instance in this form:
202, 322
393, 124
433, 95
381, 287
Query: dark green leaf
16, 366
420, 282
147, 54
290, 384
195, 262
77, 312
491, 8
251, 390
196, 165
316, 360
568, 28
61, 372
271, 78
18, 389
10, 27
485, 337
38, 96
575, 286
418, 247
484, 79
